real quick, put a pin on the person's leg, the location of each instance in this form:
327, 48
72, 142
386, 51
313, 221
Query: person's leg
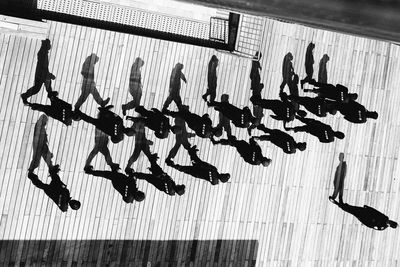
206, 94
263, 128
106, 152
47, 156
36, 155
178, 101
167, 102
213, 94
85, 91
135, 89
96, 95
92, 154
135, 154
227, 128
33, 90
174, 150
264, 137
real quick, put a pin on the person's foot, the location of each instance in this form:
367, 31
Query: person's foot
249, 130
123, 109
105, 102
153, 157
331, 199
129, 170
169, 162
52, 94
114, 167
24, 99
88, 169
204, 97
302, 82
307, 90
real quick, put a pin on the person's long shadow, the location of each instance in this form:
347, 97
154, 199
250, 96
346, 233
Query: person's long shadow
124, 184
108, 122
58, 110
370, 217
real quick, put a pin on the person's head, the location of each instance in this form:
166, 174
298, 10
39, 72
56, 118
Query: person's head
179, 66
176, 129
372, 114
44, 119
325, 58
224, 98
214, 59
46, 44
311, 46
74, 204
139, 196
289, 56
185, 107
266, 161
338, 134
391, 223
217, 131
341, 156
332, 111
180, 189
139, 62
258, 55
353, 96
301, 146
224, 177
92, 59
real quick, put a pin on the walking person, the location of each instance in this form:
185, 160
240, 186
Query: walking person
287, 70
211, 79
309, 64
175, 87
88, 83
338, 181
42, 73
101, 141
322, 72
135, 85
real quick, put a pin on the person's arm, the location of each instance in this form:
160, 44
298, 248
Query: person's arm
183, 77
276, 117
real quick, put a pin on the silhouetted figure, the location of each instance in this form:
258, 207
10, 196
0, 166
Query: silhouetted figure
108, 122
201, 169
337, 93
250, 152
175, 87
224, 122
181, 139
355, 112
309, 64
88, 83
124, 184
256, 85
57, 191
287, 70
240, 117
338, 182
135, 85
322, 73
141, 144
42, 74
211, 79
161, 180
40, 147
155, 120
322, 131
366, 215
101, 141
257, 110
201, 125
280, 139
283, 109
59, 110
317, 106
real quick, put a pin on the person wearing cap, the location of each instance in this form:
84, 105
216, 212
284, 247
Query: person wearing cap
211, 79
181, 138
42, 73
250, 152
40, 147
124, 184
57, 191
287, 70
317, 106
175, 87
101, 141
280, 139
156, 121
322, 73
201, 169
135, 85
88, 83
309, 64
322, 131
